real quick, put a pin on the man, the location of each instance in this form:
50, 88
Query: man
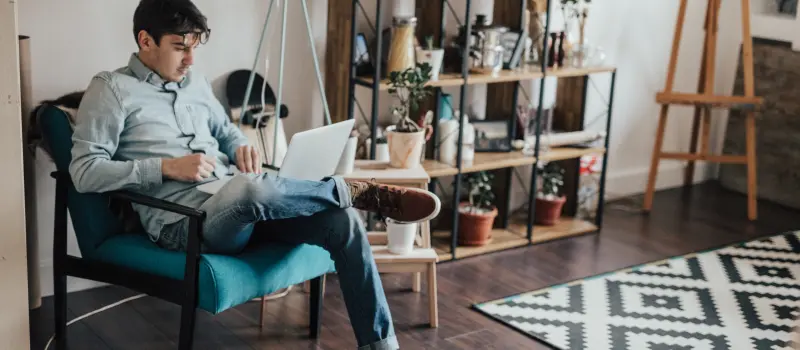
155, 127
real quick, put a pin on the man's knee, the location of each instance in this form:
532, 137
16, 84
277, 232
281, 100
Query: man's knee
249, 193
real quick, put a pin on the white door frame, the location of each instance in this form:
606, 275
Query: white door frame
14, 323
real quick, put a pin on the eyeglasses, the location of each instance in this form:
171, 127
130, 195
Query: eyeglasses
195, 38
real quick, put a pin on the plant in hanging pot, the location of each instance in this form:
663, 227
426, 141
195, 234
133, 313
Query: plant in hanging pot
407, 137
549, 200
476, 216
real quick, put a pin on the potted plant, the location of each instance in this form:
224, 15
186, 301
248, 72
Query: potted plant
549, 200
431, 55
476, 217
406, 138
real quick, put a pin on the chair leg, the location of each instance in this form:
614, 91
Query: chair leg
315, 310
188, 315
60, 291
433, 296
263, 310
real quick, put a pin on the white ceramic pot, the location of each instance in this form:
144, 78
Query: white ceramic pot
382, 152
405, 148
432, 57
401, 236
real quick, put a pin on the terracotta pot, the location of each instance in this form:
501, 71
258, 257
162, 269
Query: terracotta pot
548, 211
405, 148
475, 229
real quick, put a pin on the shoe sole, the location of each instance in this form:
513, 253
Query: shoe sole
437, 207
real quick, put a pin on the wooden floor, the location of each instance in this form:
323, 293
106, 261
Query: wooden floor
681, 223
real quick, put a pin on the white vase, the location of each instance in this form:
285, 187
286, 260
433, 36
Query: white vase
382, 152
401, 236
405, 148
433, 58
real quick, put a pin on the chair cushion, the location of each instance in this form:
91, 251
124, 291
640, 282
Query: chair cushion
224, 280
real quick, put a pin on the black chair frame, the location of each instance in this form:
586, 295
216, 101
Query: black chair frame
180, 292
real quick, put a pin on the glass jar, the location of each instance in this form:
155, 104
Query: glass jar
403, 46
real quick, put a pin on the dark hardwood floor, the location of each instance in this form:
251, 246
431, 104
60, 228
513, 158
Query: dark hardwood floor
681, 222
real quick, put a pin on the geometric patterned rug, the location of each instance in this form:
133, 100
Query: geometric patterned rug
744, 296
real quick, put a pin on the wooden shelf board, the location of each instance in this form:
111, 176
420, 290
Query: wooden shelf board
566, 227
501, 240
578, 72
562, 153
499, 160
483, 161
503, 76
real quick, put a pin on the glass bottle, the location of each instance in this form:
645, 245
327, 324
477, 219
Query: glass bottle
403, 46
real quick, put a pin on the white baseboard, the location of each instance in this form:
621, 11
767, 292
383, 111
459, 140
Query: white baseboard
634, 181
74, 284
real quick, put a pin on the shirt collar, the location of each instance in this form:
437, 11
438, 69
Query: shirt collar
146, 74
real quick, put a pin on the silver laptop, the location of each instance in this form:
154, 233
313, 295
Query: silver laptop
311, 155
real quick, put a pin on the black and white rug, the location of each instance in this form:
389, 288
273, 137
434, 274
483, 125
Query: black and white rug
745, 296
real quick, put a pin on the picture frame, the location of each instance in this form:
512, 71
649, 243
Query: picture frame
492, 135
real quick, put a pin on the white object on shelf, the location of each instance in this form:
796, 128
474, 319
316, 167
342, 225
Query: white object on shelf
566, 138
382, 152
433, 58
400, 236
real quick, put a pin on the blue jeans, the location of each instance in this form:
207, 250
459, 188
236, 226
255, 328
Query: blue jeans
295, 212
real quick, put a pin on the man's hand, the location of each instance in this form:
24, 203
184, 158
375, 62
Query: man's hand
248, 160
195, 167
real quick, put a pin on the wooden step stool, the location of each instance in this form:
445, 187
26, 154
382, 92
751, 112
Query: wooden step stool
704, 101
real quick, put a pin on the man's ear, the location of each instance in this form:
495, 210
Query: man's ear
146, 41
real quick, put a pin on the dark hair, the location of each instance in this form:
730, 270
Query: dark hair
161, 17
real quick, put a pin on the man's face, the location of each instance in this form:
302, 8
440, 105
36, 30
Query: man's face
173, 57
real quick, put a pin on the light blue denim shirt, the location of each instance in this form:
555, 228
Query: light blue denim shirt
130, 119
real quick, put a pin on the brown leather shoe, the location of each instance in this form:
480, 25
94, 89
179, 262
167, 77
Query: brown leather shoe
403, 204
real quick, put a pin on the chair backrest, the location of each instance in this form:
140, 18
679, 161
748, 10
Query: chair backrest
92, 217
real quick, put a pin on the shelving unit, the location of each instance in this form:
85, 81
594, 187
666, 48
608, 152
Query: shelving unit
517, 229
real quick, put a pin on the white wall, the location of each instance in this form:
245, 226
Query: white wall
101, 38
13, 266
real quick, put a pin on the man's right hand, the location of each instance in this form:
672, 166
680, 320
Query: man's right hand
192, 168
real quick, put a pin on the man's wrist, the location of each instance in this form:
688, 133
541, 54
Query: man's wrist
151, 171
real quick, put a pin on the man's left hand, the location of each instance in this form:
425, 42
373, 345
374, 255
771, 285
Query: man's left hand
248, 160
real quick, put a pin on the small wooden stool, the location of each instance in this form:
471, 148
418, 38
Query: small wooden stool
423, 258
703, 101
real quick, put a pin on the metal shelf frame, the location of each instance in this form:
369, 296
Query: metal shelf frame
375, 85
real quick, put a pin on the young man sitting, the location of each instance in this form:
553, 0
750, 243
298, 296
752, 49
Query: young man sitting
155, 127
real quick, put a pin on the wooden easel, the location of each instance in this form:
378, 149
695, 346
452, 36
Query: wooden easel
703, 101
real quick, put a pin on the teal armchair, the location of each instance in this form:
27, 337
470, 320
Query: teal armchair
110, 254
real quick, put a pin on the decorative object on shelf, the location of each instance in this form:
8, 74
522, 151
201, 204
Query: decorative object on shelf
400, 236
588, 186
407, 137
476, 217
403, 45
381, 149
432, 56
484, 44
492, 135
550, 200
529, 114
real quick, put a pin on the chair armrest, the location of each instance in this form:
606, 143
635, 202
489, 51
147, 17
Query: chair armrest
142, 199
157, 203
